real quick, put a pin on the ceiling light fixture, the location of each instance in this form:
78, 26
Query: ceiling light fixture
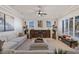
40, 11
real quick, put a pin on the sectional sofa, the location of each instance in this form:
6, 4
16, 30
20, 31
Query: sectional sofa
12, 40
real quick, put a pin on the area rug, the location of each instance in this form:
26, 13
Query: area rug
38, 46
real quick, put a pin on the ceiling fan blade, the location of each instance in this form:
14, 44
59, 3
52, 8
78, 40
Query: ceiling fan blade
44, 13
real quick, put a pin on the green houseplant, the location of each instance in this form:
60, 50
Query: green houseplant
59, 51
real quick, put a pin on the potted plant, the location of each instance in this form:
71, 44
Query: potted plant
60, 51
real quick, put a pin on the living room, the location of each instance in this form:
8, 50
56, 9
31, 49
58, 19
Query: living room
22, 26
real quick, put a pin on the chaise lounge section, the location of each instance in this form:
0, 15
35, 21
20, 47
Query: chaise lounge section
12, 41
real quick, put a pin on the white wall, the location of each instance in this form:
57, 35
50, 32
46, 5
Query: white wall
59, 27
44, 23
18, 25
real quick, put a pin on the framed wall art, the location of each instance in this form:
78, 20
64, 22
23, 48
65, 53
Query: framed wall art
40, 23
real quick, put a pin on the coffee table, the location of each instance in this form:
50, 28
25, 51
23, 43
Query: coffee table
39, 44
39, 40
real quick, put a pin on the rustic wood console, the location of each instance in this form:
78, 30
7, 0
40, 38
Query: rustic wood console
39, 33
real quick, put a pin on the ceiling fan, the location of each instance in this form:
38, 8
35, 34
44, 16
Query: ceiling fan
40, 11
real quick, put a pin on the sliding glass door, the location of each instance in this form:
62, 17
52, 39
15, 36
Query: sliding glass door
77, 26
71, 26
1, 22
62, 26
66, 26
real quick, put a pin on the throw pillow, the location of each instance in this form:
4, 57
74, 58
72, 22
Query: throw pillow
1, 44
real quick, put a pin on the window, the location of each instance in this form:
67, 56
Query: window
9, 23
31, 24
48, 23
62, 26
77, 26
1, 22
71, 26
66, 26
6, 22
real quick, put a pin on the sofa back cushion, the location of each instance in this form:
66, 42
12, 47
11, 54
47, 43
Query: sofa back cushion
3, 38
12, 36
8, 36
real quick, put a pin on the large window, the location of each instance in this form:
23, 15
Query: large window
77, 26
48, 23
1, 22
31, 24
6, 22
62, 26
66, 26
9, 22
71, 26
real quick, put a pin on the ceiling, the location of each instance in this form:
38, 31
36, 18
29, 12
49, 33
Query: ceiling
53, 11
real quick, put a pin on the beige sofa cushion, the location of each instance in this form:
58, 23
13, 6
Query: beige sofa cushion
3, 38
9, 45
